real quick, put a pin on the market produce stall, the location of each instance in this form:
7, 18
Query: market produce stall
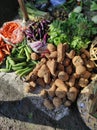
51, 52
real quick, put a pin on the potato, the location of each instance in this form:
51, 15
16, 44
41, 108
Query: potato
40, 81
60, 53
72, 94
59, 83
63, 76
51, 91
57, 102
51, 47
48, 104
34, 56
60, 93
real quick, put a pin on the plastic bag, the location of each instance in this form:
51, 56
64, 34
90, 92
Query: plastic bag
57, 2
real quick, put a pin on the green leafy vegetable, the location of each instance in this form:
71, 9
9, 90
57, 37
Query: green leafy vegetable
93, 6
77, 31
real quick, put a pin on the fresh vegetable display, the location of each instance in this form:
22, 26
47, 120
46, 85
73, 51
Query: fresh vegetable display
76, 31
52, 54
65, 71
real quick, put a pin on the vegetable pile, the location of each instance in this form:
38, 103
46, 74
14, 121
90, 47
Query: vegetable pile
66, 73
53, 55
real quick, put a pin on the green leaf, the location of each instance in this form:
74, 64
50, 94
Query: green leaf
93, 6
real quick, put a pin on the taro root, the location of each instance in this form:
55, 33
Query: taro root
67, 103
43, 93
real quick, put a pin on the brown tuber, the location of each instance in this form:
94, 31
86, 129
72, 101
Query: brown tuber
60, 53
52, 64
63, 76
60, 93
83, 82
51, 47
51, 91
80, 69
59, 83
77, 60
57, 102
40, 81
34, 56
71, 54
69, 69
72, 81
72, 94
53, 55
48, 104
66, 62
67, 103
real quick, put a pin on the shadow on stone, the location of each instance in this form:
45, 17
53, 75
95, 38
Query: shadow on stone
24, 110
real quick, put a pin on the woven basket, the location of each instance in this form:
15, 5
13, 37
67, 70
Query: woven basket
93, 51
87, 105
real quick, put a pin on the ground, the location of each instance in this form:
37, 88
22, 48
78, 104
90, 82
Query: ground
17, 112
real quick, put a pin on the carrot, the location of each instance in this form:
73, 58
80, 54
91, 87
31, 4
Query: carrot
1, 56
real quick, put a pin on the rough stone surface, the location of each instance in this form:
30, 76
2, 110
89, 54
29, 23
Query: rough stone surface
17, 112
